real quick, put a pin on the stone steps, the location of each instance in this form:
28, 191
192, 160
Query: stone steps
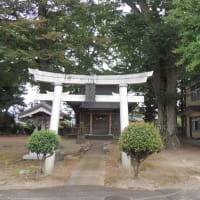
100, 137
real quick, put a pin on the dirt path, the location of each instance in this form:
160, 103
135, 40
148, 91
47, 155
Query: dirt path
91, 169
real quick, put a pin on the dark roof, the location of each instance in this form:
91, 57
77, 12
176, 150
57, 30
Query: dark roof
97, 105
191, 109
39, 108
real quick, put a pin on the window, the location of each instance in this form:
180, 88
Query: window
195, 122
195, 92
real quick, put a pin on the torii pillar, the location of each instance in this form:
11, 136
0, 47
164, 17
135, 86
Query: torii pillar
54, 123
124, 120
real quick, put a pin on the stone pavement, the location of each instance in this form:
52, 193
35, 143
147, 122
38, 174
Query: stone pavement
91, 169
96, 193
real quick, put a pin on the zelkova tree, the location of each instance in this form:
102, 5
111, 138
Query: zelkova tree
186, 14
145, 42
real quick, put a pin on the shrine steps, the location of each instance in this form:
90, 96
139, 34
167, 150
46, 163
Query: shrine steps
93, 137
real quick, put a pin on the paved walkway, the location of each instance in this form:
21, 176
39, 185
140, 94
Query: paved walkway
96, 193
91, 169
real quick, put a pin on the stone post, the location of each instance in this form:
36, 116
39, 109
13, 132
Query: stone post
91, 124
124, 120
54, 123
110, 123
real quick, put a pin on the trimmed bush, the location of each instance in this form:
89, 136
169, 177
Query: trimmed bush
139, 140
44, 143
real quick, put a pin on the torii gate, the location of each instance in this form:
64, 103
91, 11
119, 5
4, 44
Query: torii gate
57, 96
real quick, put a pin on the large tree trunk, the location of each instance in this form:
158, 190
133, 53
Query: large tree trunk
172, 141
164, 85
171, 88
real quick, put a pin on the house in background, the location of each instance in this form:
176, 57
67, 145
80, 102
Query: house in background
192, 112
40, 115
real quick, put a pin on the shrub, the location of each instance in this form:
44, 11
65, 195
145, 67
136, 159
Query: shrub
139, 140
44, 143
7, 123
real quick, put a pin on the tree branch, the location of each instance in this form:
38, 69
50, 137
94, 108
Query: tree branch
143, 6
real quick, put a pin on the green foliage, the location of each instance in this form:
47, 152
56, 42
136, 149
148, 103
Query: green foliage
139, 140
186, 16
61, 36
7, 123
26, 128
10, 87
43, 142
65, 127
64, 123
140, 137
145, 41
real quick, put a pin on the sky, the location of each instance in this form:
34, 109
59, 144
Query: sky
31, 92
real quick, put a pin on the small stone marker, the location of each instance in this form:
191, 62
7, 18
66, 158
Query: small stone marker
117, 198
31, 156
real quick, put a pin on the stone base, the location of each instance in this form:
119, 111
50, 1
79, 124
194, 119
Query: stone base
80, 139
126, 161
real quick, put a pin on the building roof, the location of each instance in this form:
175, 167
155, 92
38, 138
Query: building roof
39, 108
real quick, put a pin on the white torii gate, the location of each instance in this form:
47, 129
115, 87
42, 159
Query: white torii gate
57, 96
